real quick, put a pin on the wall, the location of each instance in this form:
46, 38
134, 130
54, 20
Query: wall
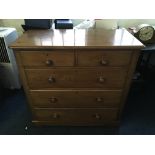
77, 21
113, 23
0, 22
104, 23
16, 23
134, 22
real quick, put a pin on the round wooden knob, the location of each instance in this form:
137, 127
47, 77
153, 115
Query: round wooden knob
51, 80
99, 99
55, 116
101, 79
97, 116
53, 100
49, 62
104, 62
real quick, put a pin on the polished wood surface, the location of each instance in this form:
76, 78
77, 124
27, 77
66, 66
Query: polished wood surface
76, 98
107, 78
76, 77
76, 116
82, 38
48, 58
103, 58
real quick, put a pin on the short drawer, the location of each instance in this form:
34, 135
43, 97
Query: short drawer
76, 116
47, 59
76, 78
103, 58
75, 98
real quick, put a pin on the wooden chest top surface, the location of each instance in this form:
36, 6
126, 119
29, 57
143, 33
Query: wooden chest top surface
81, 38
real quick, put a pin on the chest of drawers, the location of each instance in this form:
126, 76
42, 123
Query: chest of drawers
76, 77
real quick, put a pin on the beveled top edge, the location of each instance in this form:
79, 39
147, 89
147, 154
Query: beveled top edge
81, 38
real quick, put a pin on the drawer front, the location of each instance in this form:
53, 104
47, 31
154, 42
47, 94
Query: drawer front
106, 78
103, 58
76, 116
48, 59
75, 98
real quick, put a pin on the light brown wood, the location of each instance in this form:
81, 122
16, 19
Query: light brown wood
82, 38
76, 116
103, 58
48, 58
75, 98
106, 78
76, 77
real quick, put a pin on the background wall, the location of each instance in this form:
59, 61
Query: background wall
134, 22
113, 23
104, 23
16, 23
77, 21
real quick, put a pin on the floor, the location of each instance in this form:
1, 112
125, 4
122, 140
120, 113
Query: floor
138, 116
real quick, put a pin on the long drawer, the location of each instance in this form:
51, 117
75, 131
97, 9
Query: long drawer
103, 57
47, 58
76, 116
107, 78
75, 98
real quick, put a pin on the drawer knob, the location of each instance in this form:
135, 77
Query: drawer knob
98, 116
104, 62
101, 79
55, 116
51, 80
53, 100
49, 62
99, 99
